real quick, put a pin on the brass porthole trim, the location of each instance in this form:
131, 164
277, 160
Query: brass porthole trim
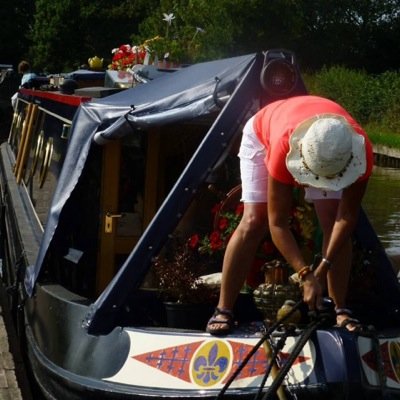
46, 162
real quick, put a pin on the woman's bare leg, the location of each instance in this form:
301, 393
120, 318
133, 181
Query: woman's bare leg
240, 253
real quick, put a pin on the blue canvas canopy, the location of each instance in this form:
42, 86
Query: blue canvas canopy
182, 95
230, 86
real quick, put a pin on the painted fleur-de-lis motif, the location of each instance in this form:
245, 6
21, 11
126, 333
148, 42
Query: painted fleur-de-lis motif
210, 369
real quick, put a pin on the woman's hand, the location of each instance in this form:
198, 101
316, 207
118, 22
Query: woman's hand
312, 292
321, 273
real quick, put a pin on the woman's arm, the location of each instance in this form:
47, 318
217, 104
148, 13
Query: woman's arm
280, 198
346, 218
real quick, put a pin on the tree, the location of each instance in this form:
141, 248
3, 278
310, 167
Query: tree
16, 19
349, 33
200, 29
261, 25
67, 32
357, 34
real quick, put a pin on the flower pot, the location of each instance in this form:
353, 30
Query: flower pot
188, 316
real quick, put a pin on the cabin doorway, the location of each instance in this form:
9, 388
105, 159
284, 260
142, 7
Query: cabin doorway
121, 206
137, 174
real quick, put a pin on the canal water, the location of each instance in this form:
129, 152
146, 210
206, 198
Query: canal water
382, 205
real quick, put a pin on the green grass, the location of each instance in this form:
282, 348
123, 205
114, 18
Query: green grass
380, 136
373, 100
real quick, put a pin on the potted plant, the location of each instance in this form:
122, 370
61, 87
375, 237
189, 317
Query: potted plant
226, 216
126, 56
188, 299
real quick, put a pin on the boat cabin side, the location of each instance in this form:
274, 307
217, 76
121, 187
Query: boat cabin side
38, 137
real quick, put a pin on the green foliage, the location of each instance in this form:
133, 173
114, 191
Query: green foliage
55, 29
374, 100
352, 39
379, 135
61, 34
348, 87
387, 109
260, 25
67, 32
357, 34
199, 31
15, 17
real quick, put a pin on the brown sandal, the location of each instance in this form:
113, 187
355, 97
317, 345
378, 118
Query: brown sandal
225, 325
349, 320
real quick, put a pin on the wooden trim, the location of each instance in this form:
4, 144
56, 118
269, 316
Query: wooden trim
109, 203
26, 137
22, 139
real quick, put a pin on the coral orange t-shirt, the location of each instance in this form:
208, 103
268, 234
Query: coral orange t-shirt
275, 123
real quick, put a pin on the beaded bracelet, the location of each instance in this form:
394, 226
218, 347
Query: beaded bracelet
326, 262
302, 273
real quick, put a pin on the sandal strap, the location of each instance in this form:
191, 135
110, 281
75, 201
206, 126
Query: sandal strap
223, 311
215, 320
343, 311
224, 325
348, 321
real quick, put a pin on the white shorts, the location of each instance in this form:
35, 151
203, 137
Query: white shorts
254, 173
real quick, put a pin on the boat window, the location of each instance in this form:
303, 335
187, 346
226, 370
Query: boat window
39, 140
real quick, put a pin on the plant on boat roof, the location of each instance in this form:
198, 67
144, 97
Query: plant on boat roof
178, 273
178, 42
176, 45
126, 56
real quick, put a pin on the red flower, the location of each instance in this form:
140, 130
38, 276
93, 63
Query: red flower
193, 241
215, 241
126, 48
126, 56
223, 223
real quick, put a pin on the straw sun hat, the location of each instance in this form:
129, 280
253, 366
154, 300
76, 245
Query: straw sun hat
326, 153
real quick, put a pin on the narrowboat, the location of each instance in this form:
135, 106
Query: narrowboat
104, 200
